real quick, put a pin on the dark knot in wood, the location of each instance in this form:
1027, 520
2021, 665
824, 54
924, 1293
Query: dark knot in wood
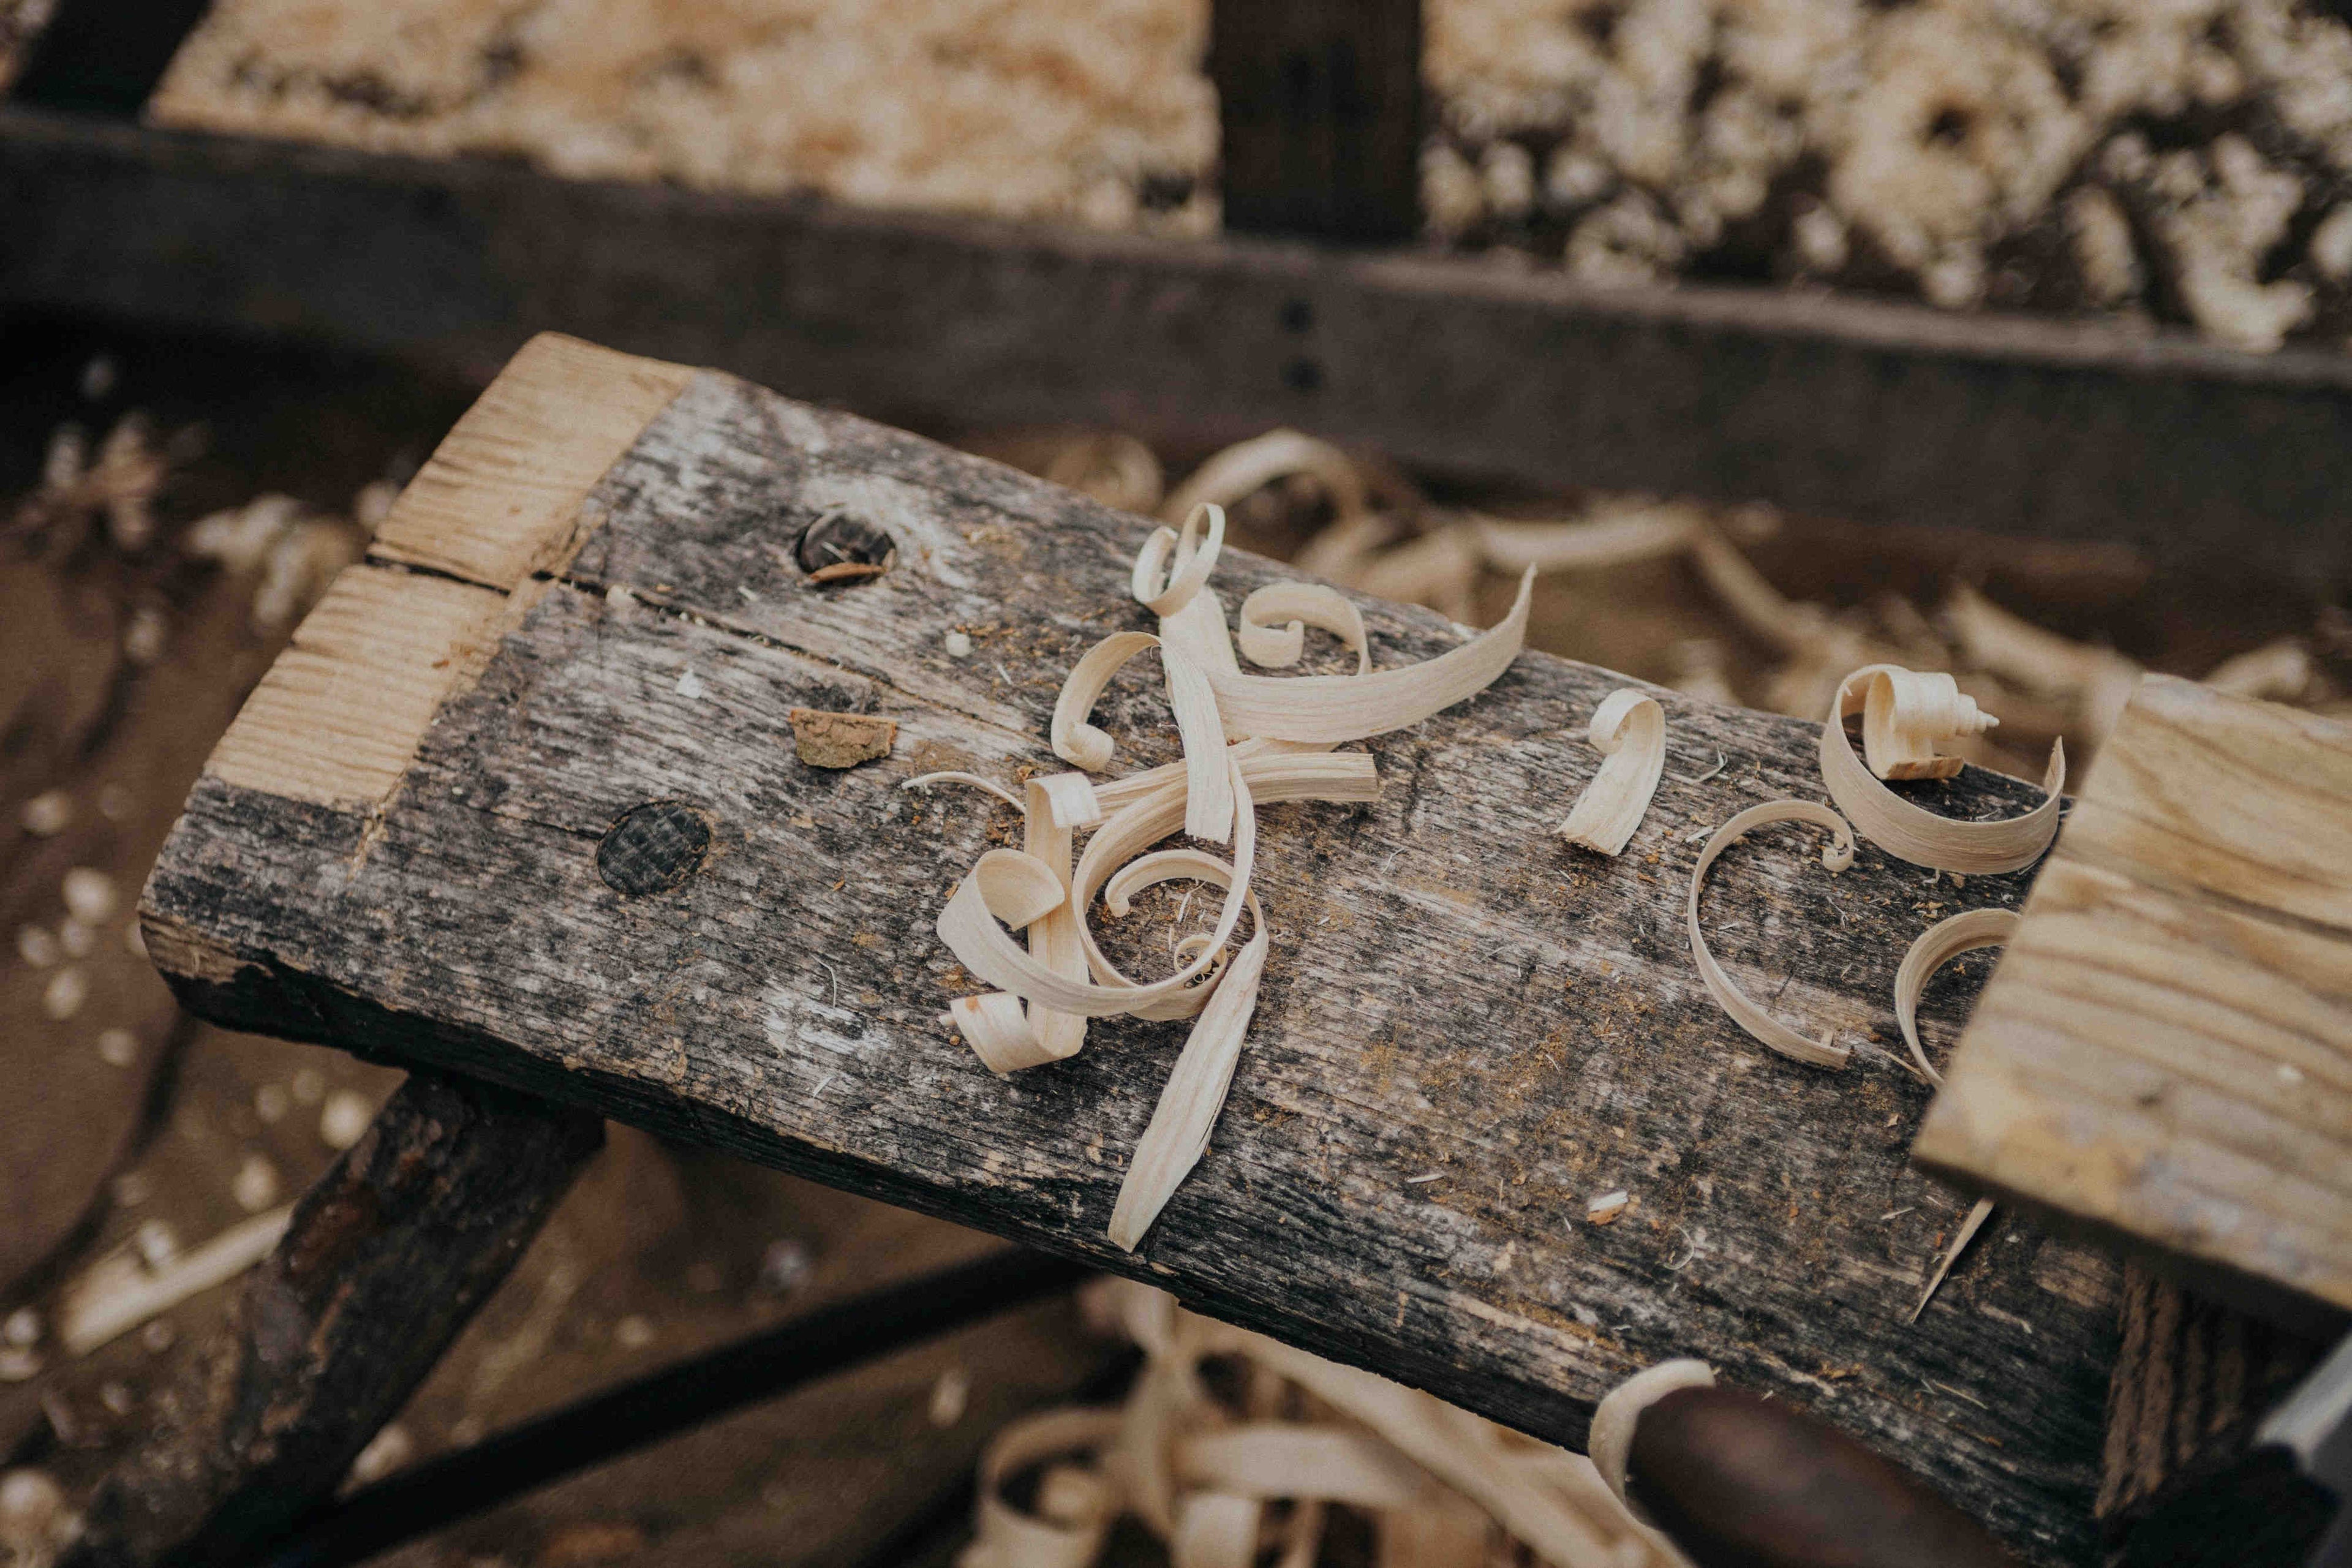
652, 847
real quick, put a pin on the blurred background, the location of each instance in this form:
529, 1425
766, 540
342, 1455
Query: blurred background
199, 426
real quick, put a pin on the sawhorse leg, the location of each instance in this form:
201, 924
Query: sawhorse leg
386, 1259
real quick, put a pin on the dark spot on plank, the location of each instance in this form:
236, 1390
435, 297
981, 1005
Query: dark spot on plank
652, 847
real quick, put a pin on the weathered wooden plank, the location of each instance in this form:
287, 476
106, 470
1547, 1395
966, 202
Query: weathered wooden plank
1846, 408
1467, 1028
385, 1261
2164, 1053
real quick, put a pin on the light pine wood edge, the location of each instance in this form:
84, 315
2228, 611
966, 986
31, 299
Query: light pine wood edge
336, 720
500, 497
2164, 1054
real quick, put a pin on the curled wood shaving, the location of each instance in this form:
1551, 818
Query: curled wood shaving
1630, 729
1201, 1469
1332, 709
1980, 1212
1251, 465
1273, 623
1837, 857
1611, 1438
1940, 943
1178, 1132
1903, 713
1640, 534
1243, 738
1934, 947
924, 781
1171, 567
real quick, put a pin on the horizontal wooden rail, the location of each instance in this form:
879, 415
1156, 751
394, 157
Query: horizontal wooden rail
1862, 410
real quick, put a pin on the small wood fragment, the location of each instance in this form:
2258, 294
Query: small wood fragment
841, 740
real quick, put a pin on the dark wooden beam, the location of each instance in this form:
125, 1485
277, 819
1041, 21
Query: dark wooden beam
104, 56
1865, 411
1319, 105
385, 1261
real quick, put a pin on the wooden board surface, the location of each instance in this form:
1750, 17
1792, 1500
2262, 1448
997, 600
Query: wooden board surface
2165, 1052
1467, 1030
1847, 407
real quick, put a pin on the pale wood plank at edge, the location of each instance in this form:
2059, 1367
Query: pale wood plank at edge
2206, 891
500, 497
338, 718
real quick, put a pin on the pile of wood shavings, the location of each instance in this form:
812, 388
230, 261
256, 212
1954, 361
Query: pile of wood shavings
1246, 738
1226, 1470
1096, 114
2189, 162
1361, 524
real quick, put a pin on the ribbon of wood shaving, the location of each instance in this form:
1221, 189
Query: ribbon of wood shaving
1904, 713
1638, 533
1610, 1440
1978, 1215
1939, 943
1251, 465
1244, 739
1837, 857
1936, 946
1330, 709
1630, 729
1201, 1469
1273, 623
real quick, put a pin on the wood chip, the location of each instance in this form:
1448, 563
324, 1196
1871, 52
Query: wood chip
1242, 739
841, 740
849, 570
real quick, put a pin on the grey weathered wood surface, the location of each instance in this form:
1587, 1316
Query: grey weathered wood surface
385, 1261
1453, 992
1855, 409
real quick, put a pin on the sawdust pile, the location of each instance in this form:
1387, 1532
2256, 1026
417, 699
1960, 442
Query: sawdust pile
1095, 114
2187, 161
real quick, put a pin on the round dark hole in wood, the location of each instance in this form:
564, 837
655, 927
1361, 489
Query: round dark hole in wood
838, 548
652, 847
1303, 375
1297, 315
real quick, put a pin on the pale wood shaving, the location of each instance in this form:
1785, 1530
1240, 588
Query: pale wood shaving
1977, 1214
1903, 711
119, 1293
1242, 737
1837, 857
1251, 465
1939, 943
1630, 729
1610, 1440
1636, 534
1200, 1470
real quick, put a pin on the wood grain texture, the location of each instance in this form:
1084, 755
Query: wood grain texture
500, 497
338, 718
2184, 1486
385, 1261
1840, 407
2165, 1052
1467, 1028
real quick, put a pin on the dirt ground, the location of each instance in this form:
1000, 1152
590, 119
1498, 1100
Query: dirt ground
127, 635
